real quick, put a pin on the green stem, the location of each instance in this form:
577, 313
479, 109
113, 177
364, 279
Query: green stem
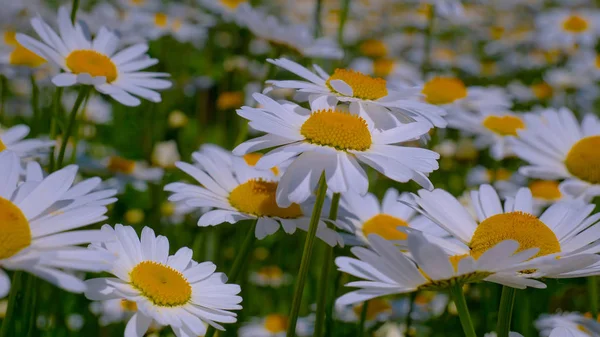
240, 260
463, 311
56, 108
306, 255
343, 18
30, 306
411, 305
15, 300
83, 92
35, 106
3, 92
74, 10
363, 319
317, 18
592, 284
428, 41
325, 278
507, 301
525, 312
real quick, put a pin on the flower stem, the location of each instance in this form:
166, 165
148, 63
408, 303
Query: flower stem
363, 319
35, 106
411, 306
15, 300
239, 262
317, 17
83, 92
3, 93
306, 254
507, 301
592, 284
343, 18
463, 311
56, 108
428, 41
325, 277
74, 10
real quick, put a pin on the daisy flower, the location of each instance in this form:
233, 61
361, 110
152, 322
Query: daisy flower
113, 311
96, 62
491, 129
13, 55
565, 28
96, 110
565, 234
230, 10
172, 290
585, 326
13, 140
364, 215
39, 218
379, 310
275, 325
125, 171
238, 192
333, 141
270, 276
557, 146
385, 270
544, 192
382, 105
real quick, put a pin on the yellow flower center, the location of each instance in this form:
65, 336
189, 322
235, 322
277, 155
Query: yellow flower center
497, 32
542, 91
128, 306
232, 4
363, 86
338, 129
121, 165
93, 63
10, 37
160, 19
385, 226
583, 160
177, 24
15, 233
545, 189
488, 68
373, 48
522, 227
134, 216
167, 208
383, 67
271, 272
575, 24
503, 125
376, 307
444, 90
22, 56
252, 158
137, 2
500, 174
230, 100
257, 197
276, 323
2, 146
163, 285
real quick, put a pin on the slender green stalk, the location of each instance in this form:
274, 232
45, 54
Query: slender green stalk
592, 285
363, 319
3, 92
411, 306
524, 307
345, 5
463, 311
35, 106
56, 108
74, 10
15, 300
507, 301
428, 41
325, 277
83, 92
30, 306
317, 18
238, 264
306, 255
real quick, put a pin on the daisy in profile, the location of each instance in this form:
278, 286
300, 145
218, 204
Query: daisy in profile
379, 310
270, 276
113, 311
365, 215
96, 62
491, 129
13, 140
380, 104
557, 146
544, 192
565, 28
572, 321
39, 222
564, 233
385, 270
275, 325
171, 290
238, 192
125, 171
230, 10
332, 140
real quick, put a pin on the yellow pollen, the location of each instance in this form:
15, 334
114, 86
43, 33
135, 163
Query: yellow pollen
583, 160
128, 306
338, 129
545, 189
230, 100
373, 48
10, 37
177, 23
500, 174
276, 323
363, 86
597, 61
444, 90
385, 226
15, 233
93, 63
2, 146
134, 216
138, 2
383, 67
252, 158
424, 297
376, 307
121, 165
575, 24
496, 32
542, 91
522, 227
232, 4
271, 272
160, 19
167, 208
257, 197
489, 68
22, 56
455, 259
161, 284
504, 125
